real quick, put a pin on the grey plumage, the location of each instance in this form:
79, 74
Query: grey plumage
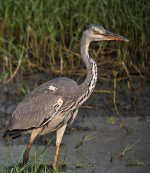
40, 106
55, 104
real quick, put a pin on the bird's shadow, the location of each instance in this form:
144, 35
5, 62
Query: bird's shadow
35, 168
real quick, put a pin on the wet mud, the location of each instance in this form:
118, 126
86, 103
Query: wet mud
100, 140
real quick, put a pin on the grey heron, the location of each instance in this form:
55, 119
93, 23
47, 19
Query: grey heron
55, 104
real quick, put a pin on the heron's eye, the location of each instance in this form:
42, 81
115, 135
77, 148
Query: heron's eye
96, 32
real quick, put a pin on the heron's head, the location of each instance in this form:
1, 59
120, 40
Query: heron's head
98, 33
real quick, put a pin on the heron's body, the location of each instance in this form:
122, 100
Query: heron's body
54, 105
46, 102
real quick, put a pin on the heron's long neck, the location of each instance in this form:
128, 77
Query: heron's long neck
87, 87
91, 66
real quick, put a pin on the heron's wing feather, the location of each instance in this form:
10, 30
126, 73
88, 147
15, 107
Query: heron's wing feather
37, 108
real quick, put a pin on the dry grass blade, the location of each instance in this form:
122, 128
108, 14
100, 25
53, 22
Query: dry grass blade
128, 75
128, 148
16, 70
114, 93
85, 138
102, 91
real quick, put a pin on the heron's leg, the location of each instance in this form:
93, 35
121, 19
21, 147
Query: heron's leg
59, 136
34, 134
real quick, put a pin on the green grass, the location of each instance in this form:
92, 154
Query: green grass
37, 162
30, 168
44, 35
36, 165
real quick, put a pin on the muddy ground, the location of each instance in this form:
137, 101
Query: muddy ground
100, 140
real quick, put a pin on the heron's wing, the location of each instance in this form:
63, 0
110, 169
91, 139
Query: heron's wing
36, 109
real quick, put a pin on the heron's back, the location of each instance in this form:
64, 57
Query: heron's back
42, 104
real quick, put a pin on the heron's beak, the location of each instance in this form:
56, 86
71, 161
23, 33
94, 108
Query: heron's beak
111, 36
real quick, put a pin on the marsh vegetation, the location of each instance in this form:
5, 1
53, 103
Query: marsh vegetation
44, 36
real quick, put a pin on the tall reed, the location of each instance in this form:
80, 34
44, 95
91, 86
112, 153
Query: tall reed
46, 33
